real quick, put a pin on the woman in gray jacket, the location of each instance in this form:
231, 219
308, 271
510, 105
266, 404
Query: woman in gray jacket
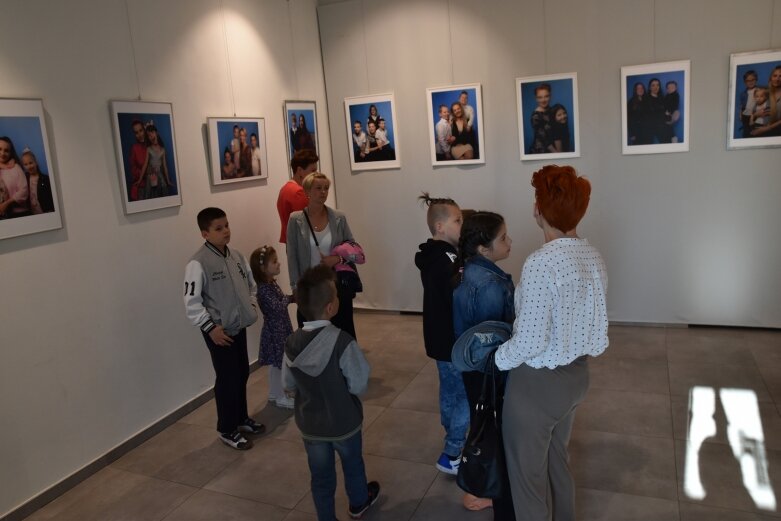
311, 235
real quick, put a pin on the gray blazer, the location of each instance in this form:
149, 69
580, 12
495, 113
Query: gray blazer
299, 251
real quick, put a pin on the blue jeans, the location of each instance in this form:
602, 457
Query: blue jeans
323, 469
453, 408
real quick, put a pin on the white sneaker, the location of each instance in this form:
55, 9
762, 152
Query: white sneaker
285, 402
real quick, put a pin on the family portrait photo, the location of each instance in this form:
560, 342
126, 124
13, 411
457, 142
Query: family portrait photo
372, 134
455, 122
300, 127
755, 100
548, 116
28, 192
655, 102
237, 149
146, 154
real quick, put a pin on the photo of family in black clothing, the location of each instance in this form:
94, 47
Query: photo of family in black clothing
372, 133
28, 195
655, 115
755, 100
455, 124
548, 116
300, 126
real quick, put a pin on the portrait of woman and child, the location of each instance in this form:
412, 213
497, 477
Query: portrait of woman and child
758, 100
547, 115
25, 187
373, 135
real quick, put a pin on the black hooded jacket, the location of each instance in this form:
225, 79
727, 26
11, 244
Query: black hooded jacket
436, 262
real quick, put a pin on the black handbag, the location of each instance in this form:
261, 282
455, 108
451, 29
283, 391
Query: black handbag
482, 469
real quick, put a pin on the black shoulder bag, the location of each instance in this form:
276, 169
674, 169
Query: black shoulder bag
482, 468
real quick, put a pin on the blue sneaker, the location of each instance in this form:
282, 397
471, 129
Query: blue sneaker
447, 464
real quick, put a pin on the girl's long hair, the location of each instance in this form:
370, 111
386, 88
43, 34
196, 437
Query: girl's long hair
479, 229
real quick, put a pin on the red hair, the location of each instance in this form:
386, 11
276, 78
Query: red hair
562, 196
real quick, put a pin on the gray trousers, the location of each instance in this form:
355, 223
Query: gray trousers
539, 409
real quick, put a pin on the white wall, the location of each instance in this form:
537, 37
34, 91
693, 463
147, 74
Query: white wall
95, 345
688, 237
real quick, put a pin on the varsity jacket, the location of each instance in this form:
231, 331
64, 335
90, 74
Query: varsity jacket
328, 371
219, 290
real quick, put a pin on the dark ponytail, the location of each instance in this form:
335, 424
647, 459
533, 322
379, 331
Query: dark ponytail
479, 229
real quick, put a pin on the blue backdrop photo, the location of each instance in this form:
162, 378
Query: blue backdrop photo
360, 112
126, 137
448, 97
676, 76
763, 70
25, 132
561, 93
309, 116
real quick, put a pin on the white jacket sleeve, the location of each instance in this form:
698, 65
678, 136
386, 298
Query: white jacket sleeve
194, 278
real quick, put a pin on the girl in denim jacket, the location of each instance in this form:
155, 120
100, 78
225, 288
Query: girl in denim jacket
485, 292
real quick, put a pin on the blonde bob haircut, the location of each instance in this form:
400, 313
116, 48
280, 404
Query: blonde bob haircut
310, 180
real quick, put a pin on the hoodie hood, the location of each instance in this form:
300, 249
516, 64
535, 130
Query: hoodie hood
432, 251
314, 356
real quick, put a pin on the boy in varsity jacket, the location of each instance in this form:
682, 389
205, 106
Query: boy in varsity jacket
219, 298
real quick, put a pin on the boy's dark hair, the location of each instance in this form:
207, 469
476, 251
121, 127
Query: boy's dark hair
671, 82
437, 209
207, 216
750, 72
302, 159
315, 290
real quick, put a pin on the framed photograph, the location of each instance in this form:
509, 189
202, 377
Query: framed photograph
548, 116
28, 184
372, 132
146, 154
655, 108
237, 149
300, 127
754, 100
455, 125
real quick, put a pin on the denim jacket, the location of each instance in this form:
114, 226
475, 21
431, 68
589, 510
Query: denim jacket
485, 293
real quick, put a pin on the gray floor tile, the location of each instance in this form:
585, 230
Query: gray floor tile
639, 343
385, 385
685, 376
403, 486
716, 346
422, 394
694, 512
183, 453
599, 505
768, 413
406, 435
626, 374
273, 471
625, 412
206, 505
636, 465
297, 515
116, 495
721, 477
444, 501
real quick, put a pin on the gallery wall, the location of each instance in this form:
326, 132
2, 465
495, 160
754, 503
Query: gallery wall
95, 344
688, 237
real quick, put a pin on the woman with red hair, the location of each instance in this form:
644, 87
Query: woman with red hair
561, 320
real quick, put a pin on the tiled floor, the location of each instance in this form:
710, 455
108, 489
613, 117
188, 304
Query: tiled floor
628, 447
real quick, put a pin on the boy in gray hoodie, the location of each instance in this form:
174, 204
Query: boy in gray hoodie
325, 370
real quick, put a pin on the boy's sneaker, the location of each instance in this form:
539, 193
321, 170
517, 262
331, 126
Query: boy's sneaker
250, 426
374, 495
235, 440
285, 402
447, 464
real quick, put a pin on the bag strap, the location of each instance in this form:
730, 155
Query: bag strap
488, 392
306, 216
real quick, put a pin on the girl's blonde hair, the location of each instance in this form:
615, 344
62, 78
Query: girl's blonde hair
258, 262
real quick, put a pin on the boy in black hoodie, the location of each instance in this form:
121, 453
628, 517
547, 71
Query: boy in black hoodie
325, 370
436, 261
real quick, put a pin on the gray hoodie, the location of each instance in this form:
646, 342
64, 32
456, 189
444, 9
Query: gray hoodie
328, 371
